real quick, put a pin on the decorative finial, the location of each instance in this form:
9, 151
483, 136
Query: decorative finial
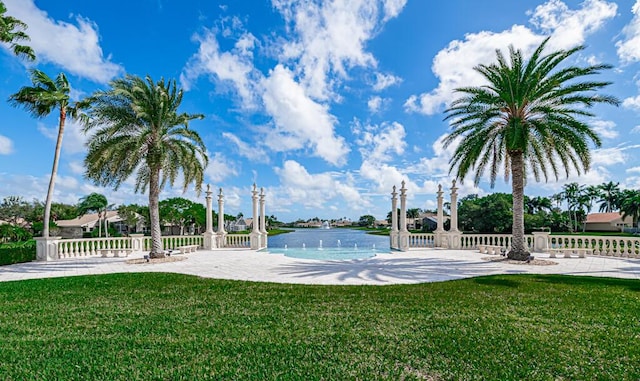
208, 188
439, 187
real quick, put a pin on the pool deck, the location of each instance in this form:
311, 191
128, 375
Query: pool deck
415, 266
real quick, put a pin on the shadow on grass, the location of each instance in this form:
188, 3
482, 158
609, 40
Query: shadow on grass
574, 280
496, 281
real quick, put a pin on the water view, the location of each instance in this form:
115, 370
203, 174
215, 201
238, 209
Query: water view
328, 244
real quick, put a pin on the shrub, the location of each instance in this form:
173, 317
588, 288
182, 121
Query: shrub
17, 252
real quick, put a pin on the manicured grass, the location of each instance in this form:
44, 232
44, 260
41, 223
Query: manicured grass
176, 327
272, 232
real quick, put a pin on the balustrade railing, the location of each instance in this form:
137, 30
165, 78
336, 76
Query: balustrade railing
85, 247
417, 240
173, 241
598, 245
473, 241
237, 241
594, 245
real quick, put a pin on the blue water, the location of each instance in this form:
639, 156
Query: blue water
336, 244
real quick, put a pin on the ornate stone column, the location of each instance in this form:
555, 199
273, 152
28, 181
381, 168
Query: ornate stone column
254, 237
209, 241
454, 233
221, 233
263, 226
393, 236
440, 224
404, 233
137, 242
47, 248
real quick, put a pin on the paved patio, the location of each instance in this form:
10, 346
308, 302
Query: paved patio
419, 266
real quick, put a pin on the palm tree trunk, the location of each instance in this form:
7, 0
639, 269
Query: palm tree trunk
154, 214
518, 248
54, 172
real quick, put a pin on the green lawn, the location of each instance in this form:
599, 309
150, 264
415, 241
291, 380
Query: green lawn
177, 327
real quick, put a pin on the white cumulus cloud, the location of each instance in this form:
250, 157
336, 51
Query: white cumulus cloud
6, 145
629, 47
225, 67
605, 128
453, 66
299, 121
76, 48
632, 103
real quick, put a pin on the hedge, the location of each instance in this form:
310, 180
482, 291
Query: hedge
17, 252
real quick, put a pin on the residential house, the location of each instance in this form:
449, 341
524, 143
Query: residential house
607, 222
86, 223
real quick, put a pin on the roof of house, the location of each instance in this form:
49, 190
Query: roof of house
89, 219
599, 218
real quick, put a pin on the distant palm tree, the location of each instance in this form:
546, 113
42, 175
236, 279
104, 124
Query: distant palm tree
12, 31
40, 100
138, 130
557, 198
527, 117
95, 202
609, 197
630, 205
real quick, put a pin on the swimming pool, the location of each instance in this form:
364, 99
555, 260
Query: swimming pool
328, 244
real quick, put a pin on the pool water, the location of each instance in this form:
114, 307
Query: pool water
328, 244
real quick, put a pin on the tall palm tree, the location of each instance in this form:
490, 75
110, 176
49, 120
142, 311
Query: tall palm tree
630, 205
528, 117
137, 130
609, 196
40, 100
12, 31
571, 192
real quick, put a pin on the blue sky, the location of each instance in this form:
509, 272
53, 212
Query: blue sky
326, 105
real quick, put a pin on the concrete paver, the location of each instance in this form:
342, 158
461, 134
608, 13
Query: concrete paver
415, 266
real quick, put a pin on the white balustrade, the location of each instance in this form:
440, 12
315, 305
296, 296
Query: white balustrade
422, 240
628, 247
237, 241
85, 247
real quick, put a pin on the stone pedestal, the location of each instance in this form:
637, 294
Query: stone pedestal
210, 241
137, 242
541, 241
47, 248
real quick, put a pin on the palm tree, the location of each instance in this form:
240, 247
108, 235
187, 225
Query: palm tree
40, 100
12, 31
527, 117
609, 196
95, 202
138, 130
630, 205
571, 192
